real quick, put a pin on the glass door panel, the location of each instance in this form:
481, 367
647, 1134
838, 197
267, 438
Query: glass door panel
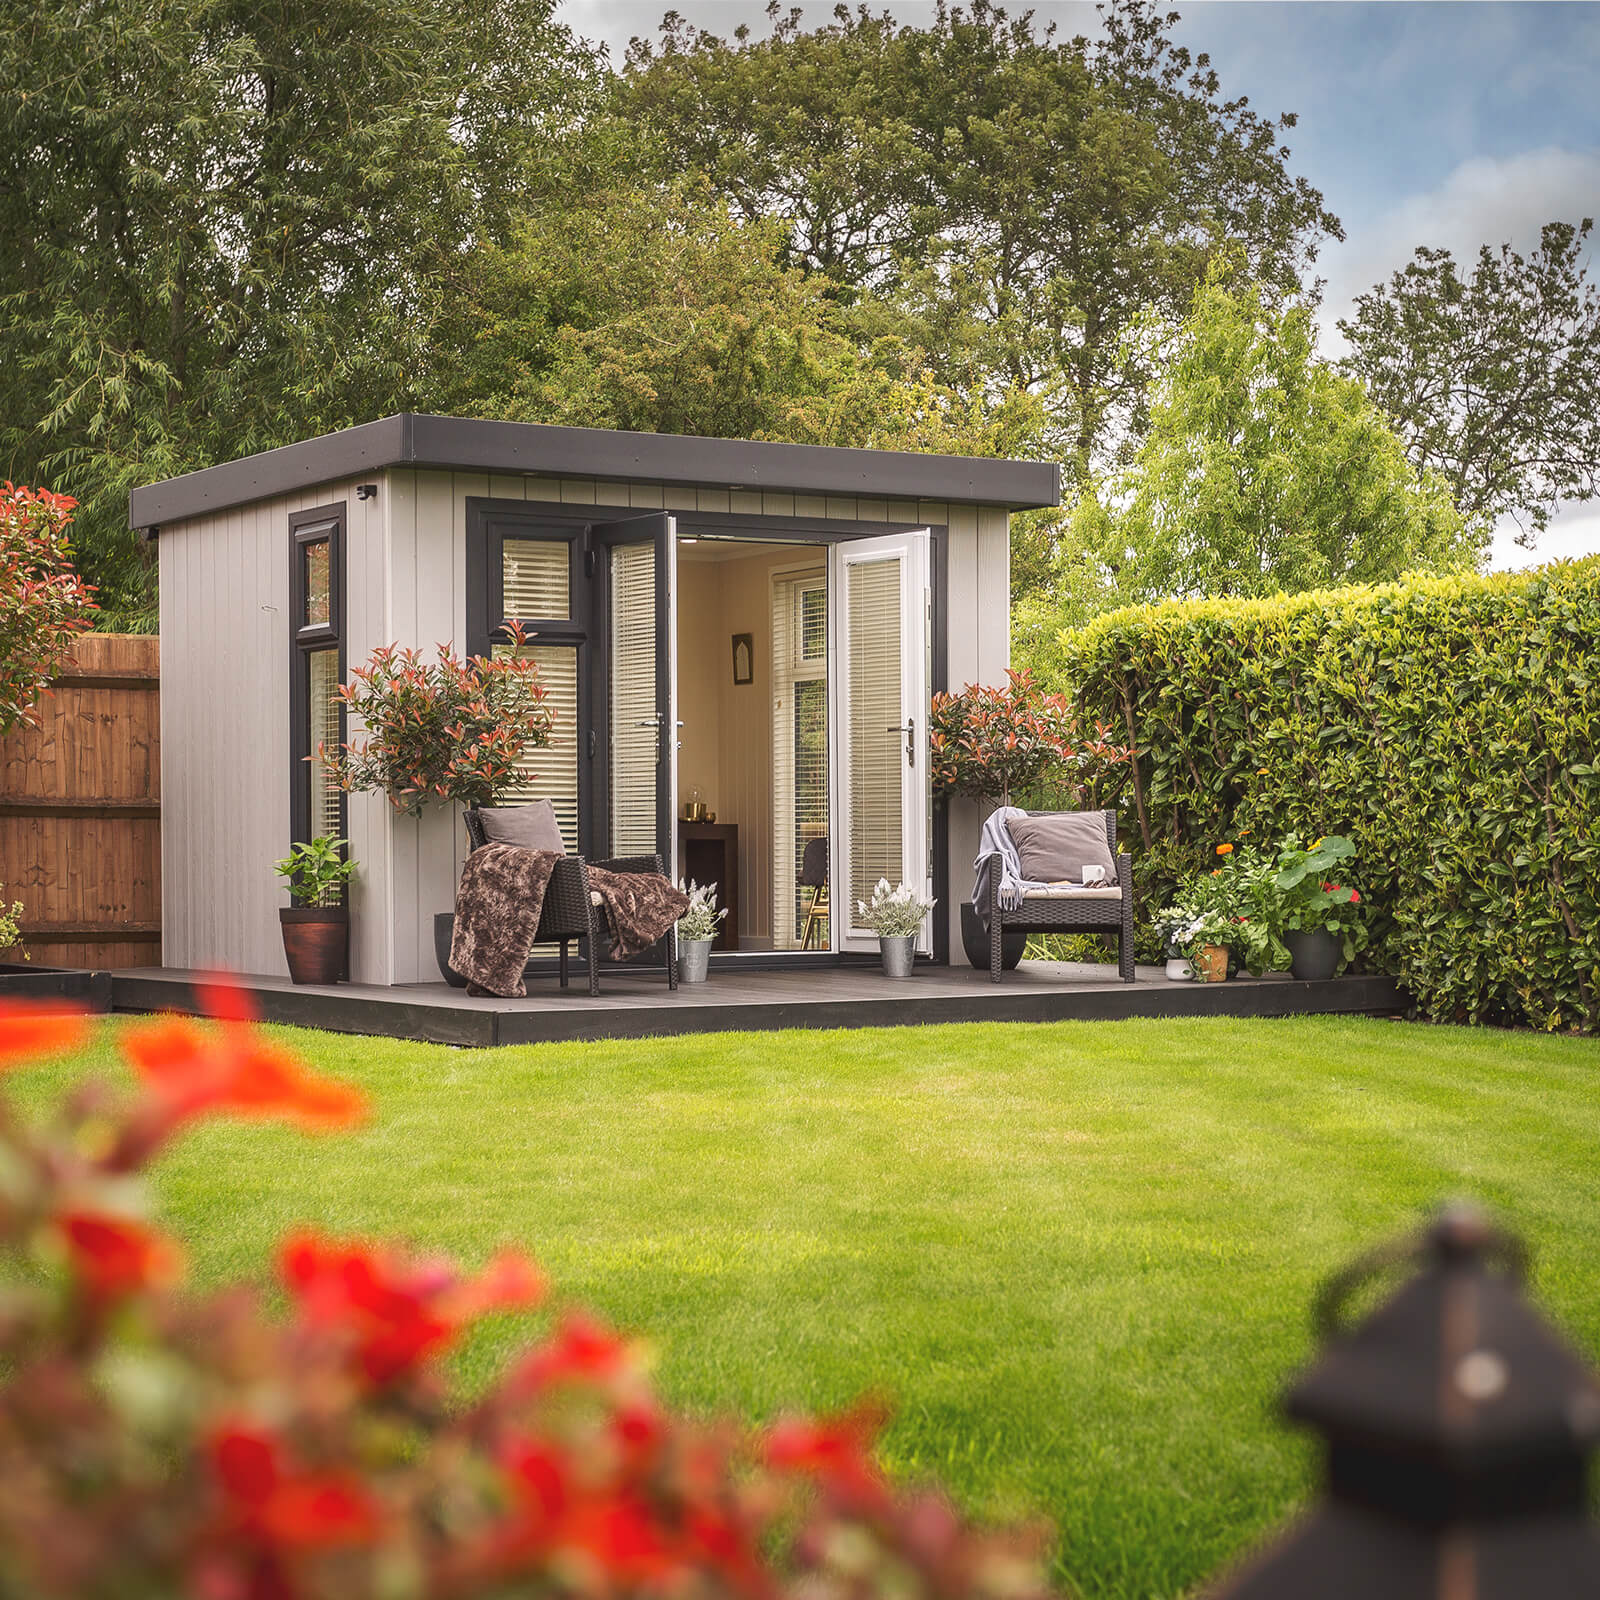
881, 617
800, 788
551, 773
638, 662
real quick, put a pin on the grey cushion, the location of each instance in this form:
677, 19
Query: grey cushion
1056, 847
533, 827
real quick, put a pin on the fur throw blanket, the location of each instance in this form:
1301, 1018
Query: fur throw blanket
640, 907
497, 914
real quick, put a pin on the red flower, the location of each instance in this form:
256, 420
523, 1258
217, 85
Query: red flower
834, 1450
579, 1349
397, 1313
1355, 897
270, 1501
115, 1257
31, 1028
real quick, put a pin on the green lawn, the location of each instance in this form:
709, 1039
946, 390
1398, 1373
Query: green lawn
1077, 1258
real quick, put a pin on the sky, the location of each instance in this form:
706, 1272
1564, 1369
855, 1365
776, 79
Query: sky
1445, 124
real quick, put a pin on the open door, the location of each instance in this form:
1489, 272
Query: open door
882, 600
638, 672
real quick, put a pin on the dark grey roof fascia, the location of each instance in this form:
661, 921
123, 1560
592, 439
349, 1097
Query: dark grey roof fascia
411, 440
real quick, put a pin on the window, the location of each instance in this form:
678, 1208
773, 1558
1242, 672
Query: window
316, 668
799, 743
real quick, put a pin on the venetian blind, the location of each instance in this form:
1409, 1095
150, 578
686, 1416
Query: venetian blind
534, 579
322, 684
872, 595
635, 730
799, 742
552, 773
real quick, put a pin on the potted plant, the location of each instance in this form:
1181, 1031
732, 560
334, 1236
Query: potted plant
1196, 942
447, 730
316, 925
991, 743
896, 916
1322, 925
1231, 907
697, 931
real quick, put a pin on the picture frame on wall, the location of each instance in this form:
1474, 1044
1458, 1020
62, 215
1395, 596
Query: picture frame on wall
744, 658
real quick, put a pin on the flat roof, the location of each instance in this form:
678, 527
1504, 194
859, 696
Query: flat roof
412, 439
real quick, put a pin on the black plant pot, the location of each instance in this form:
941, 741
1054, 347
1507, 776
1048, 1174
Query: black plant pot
444, 927
316, 942
1314, 954
975, 941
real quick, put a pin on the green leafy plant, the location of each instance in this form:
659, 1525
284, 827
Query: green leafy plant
1233, 903
44, 605
316, 871
446, 730
893, 913
1309, 899
990, 742
1448, 727
702, 918
10, 929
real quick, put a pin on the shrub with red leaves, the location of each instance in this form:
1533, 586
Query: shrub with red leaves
156, 1441
992, 743
44, 604
446, 730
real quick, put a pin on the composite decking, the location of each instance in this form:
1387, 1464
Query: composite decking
639, 1004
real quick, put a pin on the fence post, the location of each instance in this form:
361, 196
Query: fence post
1458, 1427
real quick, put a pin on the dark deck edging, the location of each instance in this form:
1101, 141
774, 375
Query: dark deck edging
482, 1024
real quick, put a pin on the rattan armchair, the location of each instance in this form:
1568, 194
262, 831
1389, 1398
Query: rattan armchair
569, 911
1067, 914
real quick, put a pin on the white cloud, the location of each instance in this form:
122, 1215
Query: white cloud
1484, 200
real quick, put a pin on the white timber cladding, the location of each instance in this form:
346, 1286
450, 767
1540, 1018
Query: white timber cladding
225, 694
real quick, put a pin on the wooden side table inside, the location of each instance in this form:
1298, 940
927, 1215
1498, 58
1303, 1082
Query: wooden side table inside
708, 852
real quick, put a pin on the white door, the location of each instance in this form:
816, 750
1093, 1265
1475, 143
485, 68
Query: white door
882, 599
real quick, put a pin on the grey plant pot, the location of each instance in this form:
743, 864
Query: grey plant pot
1314, 954
694, 959
898, 955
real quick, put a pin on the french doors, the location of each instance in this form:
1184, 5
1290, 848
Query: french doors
881, 599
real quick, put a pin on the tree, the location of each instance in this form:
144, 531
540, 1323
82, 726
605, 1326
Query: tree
1008, 201
657, 309
1265, 470
224, 227
1492, 381
44, 604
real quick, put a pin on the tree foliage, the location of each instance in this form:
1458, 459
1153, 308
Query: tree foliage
1017, 199
224, 227
1492, 380
654, 307
1265, 470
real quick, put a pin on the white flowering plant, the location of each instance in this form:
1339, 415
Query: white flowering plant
701, 919
893, 913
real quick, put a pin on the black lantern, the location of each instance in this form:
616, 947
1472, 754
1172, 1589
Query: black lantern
1459, 1428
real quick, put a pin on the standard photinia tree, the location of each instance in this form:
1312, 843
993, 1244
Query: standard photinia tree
992, 742
445, 730
44, 604
159, 1441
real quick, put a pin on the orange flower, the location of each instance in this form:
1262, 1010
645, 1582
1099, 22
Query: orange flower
1224, 849
192, 1070
31, 1028
115, 1256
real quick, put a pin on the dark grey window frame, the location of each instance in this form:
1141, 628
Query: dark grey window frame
491, 520
305, 639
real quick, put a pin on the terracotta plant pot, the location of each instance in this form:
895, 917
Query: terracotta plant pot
1211, 963
316, 942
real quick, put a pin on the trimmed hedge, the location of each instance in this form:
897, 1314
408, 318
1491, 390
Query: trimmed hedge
1449, 726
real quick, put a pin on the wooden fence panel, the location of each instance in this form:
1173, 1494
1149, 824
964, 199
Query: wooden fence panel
80, 810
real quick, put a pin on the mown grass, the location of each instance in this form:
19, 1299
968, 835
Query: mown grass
1076, 1258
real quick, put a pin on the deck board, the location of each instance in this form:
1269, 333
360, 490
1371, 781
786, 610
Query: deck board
639, 1004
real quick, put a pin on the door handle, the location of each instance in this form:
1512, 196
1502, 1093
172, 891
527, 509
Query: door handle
909, 729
